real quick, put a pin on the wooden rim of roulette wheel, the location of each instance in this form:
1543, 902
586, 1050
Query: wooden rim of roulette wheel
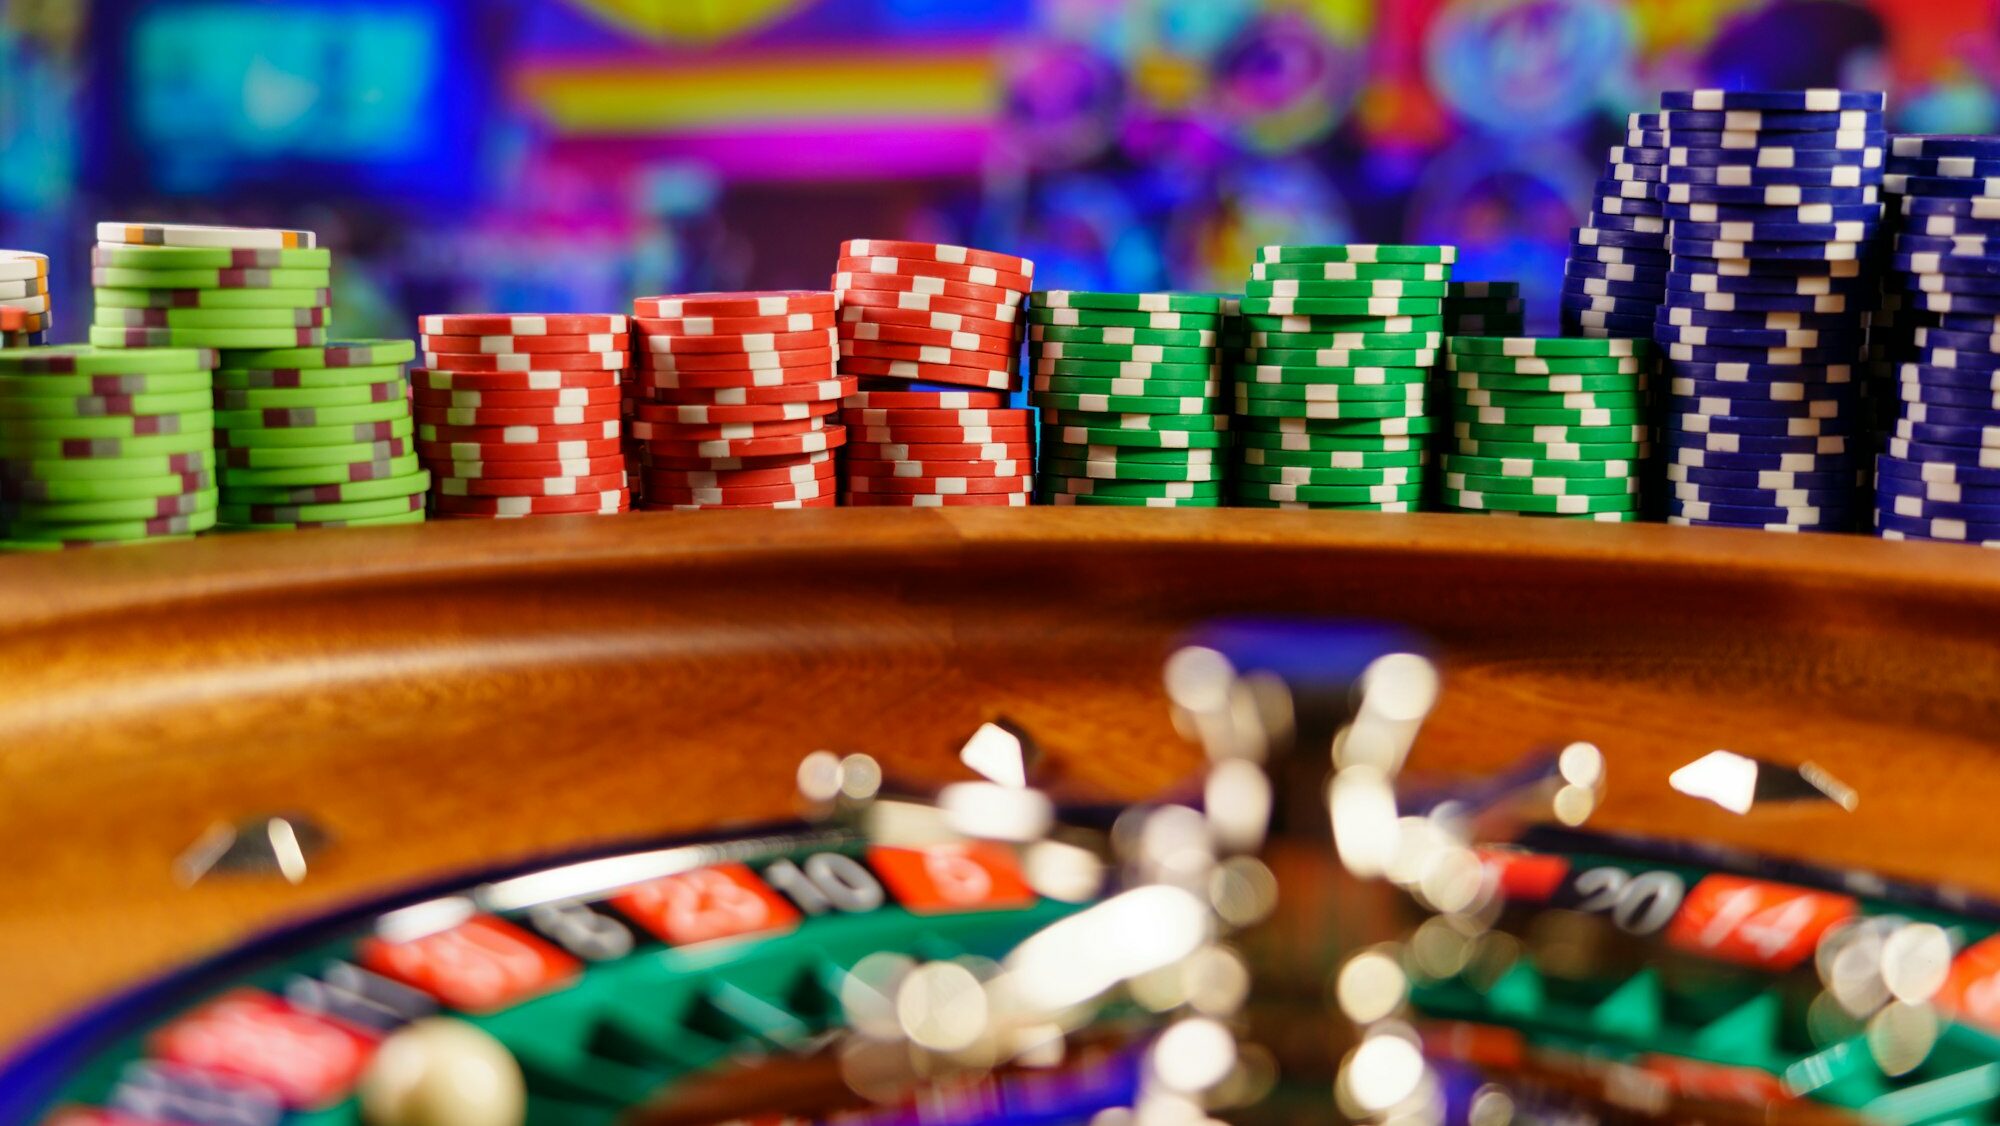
469, 698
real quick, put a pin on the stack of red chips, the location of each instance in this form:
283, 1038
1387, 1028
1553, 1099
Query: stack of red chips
733, 400
517, 415
933, 334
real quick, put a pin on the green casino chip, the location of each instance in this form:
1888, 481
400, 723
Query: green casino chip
1544, 400
110, 530
1107, 318
1544, 486
406, 485
1127, 302
1354, 326
414, 516
208, 318
1547, 365
1359, 252
1121, 456
1330, 494
1094, 486
1351, 271
1251, 429
212, 298
342, 454
1539, 416
1344, 478
1363, 341
1254, 502
1433, 290
1121, 353
1353, 453
1553, 451
65, 387
1549, 346
1489, 467
1334, 392
123, 277
100, 406
1113, 420
1551, 432
246, 379
1129, 471
200, 337
1160, 338
111, 488
1191, 405
264, 398
1159, 439
80, 359
37, 449
1103, 369
1077, 385
289, 417
1528, 502
1069, 499
302, 436
333, 353
1246, 375
209, 258
1341, 357
130, 508
317, 513
1375, 307
1546, 384
336, 473
110, 426
107, 468
1344, 411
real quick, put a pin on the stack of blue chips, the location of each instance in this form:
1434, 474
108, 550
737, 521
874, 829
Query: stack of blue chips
1939, 477
1773, 201
1617, 266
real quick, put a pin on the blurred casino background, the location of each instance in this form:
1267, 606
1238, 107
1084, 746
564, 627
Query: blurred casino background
567, 154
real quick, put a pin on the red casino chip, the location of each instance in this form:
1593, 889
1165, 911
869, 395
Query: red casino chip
870, 332
491, 451
510, 380
560, 486
604, 503
527, 361
926, 354
846, 282
943, 486
960, 435
656, 479
1015, 284
523, 469
548, 397
768, 303
313, 317
515, 435
678, 432
832, 437
853, 316
594, 342
815, 391
936, 252
738, 361
738, 343
666, 462
904, 469
983, 378
743, 494
936, 500
769, 377
907, 416
698, 414
942, 451
925, 400
732, 326
521, 324
517, 416
926, 303
816, 502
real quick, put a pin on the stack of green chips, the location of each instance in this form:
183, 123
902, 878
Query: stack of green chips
1330, 389
103, 446
1129, 389
1490, 308
165, 285
1554, 427
318, 437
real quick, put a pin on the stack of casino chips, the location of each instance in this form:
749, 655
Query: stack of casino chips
1088, 381
1939, 475
733, 400
518, 414
932, 333
1773, 200
1616, 274
318, 437
1483, 308
1331, 392
102, 446
24, 299
1547, 427
163, 285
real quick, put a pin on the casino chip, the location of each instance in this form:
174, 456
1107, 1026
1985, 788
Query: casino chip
101, 446
1626, 216
25, 311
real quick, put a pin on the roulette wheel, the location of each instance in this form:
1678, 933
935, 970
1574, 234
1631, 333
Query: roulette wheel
571, 846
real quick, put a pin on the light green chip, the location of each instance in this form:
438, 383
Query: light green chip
202, 337
39, 449
110, 488
386, 488
414, 516
125, 277
344, 455
111, 426
106, 468
1359, 252
110, 317
261, 398
81, 359
297, 477
373, 352
65, 387
211, 258
1529, 502
1126, 302
109, 530
291, 417
212, 298
1549, 346
316, 513
102, 406
1286, 287
185, 503
300, 436
241, 379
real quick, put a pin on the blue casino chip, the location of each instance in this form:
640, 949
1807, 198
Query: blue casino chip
1972, 248
1793, 273
1636, 307
1933, 434
1816, 100
1927, 336
1617, 324
1916, 474
1943, 187
1973, 207
1625, 205
1966, 322
1948, 395
1775, 357
1764, 478
1803, 517
1616, 173
1952, 166
1917, 505
1775, 156
1776, 232
1949, 226
1959, 305
1645, 138
1920, 451
1605, 271
1938, 528
1981, 417
1953, 368
1638, 224
1746, 176
1849, 335
1701, 397
1946, 265
1929, 281
1636, 154
1808, 251
1828, 445
1620, 255
1697, 422
1758, 121
1644, 120
1726, 301
1756, 319
1980, 147
1630, 187
1755, 381
1593, 236
1836, 497
1780, 195
1649, 292
1752, 141
1757, 213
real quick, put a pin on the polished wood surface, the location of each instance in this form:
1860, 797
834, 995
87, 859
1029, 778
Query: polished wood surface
456, 695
